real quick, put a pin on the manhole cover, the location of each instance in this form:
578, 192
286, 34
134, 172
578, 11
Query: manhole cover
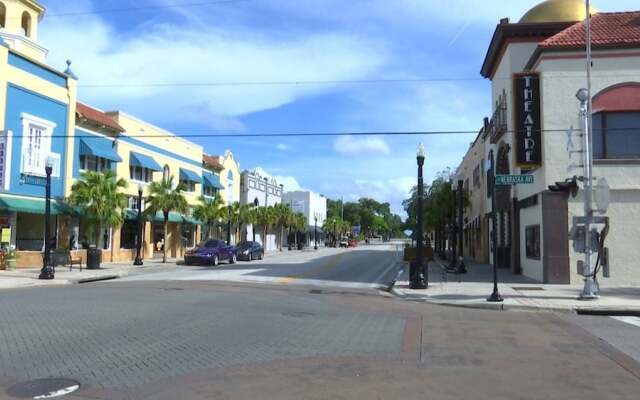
47, 388
298, 314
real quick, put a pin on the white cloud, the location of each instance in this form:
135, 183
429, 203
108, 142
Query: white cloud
283, 147
289, 183
354, 146
128, 71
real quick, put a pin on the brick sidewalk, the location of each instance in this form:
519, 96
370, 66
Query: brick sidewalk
519, 293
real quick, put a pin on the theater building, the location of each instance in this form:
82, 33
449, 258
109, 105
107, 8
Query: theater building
536, 66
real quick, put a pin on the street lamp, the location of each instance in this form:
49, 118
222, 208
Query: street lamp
138, 260
315, 232
47, 272
418, 274
495, 296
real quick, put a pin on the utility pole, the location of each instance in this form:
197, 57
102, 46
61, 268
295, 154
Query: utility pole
591, 289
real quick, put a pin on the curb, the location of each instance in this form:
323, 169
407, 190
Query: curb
598, 310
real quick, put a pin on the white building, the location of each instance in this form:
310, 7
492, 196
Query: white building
314, 208
261, 191
536, 66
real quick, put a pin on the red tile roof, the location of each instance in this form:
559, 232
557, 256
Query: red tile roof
212, 162
97, 117
619, 29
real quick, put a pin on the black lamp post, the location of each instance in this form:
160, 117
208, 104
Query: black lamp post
138, 260
418, 273
47, 271
315, 233
495, 296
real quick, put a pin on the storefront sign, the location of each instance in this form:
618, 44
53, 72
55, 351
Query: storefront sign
528, 125
5, 235
507, 180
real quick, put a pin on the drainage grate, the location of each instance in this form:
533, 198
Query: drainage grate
47, 388
316, 291
298, 314
527, 288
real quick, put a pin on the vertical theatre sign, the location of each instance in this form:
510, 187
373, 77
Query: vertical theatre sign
528, 135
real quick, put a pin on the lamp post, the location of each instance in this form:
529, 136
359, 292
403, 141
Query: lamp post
418, 273
138, 260
495, 296
47, 271
462, 269
315, 232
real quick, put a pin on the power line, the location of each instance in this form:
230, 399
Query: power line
324, 134
146, 8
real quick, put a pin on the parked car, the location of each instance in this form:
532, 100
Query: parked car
344, 243
249, 251
211, 252
353, 243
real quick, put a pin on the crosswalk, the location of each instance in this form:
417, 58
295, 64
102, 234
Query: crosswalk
629, 320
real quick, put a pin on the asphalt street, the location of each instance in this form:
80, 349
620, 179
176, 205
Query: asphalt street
300, 325
364, 267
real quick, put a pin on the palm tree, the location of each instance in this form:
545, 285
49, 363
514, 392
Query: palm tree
163, 197
100, 200
300, 223
209, 211
252, 219
282, 216
245, 217
266, 218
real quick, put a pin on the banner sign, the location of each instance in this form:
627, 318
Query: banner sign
528, 125
508, 180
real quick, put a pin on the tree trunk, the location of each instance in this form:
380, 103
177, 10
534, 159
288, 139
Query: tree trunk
281, 237
253, 231
264, 238
98, 229
166, 232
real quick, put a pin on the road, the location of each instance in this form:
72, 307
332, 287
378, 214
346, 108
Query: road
264, 332
364, 267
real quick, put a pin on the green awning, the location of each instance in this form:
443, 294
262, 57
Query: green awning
33, 205
159, 217
99, 147
140, 160
190, 176
212, 180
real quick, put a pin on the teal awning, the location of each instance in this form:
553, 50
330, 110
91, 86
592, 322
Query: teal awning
99, 147
212, 180
33, 205
188, 175
140, 160
159, 217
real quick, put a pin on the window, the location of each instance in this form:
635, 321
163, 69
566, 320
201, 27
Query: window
3, 16
252, 184
129, 234
36, 145
140, 174
133, 203
476, 177
188, 235
490, 173
532, 241
26, 24
92, 163
188, 186
210, 191
616, 135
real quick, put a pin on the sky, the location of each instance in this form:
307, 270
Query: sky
163, 61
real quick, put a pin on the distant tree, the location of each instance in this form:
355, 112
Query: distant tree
209, 211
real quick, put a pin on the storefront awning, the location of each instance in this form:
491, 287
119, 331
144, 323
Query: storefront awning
190, 176
32, 205
212, 180
159, 217
99, 147
140, 160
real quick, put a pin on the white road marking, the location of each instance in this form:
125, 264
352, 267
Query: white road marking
629, 320
58, 393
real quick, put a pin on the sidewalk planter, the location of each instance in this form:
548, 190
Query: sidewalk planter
94, 257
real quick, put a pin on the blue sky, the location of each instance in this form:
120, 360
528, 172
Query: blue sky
291, 40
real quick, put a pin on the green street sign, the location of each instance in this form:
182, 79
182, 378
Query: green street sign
507, 180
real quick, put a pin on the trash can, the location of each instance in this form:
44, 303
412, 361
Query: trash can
94, 257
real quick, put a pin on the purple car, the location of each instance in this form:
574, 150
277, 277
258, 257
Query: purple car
211, 252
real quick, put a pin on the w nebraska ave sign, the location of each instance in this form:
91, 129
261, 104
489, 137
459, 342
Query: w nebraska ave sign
528, 135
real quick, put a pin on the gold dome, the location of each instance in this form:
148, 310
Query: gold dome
557, 11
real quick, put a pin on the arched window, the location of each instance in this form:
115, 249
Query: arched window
166, 173
26, 24
230, 197
3, 15
615, 121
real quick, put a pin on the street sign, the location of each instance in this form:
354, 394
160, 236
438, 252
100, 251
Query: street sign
506, 180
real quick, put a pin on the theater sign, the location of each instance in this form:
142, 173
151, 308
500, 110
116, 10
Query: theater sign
528, 125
